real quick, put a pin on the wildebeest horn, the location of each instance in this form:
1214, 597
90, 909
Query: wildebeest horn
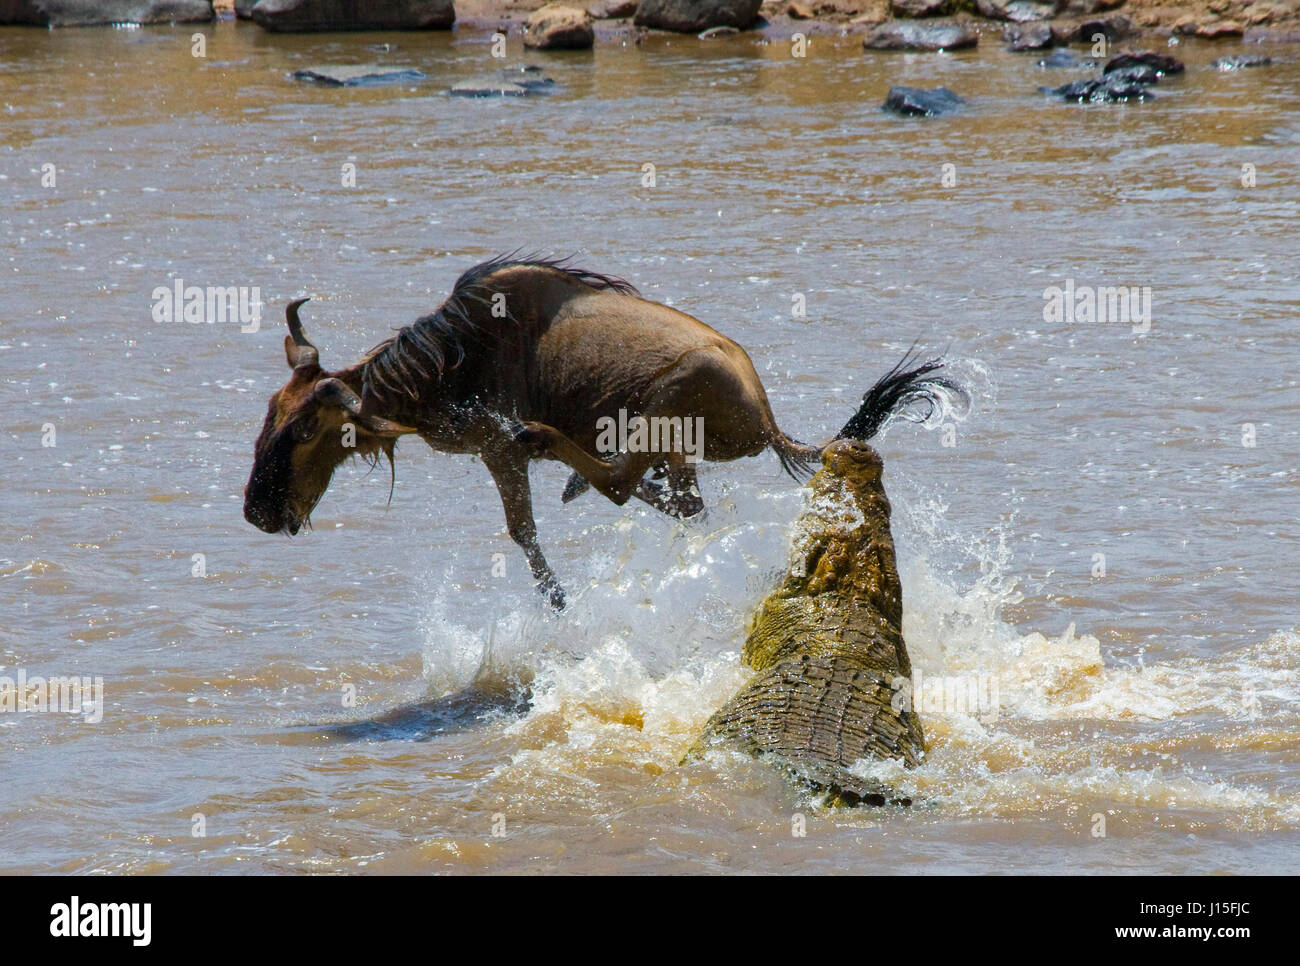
298, 348
334, 392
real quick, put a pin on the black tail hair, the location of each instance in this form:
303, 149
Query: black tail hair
894, 391
797, 464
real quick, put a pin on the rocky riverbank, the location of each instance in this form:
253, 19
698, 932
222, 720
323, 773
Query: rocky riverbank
992, 20
888, 24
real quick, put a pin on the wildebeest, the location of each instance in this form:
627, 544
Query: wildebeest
528, 359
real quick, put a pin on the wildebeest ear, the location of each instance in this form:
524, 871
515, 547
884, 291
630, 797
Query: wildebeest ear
334, 392
298, 349
384, 427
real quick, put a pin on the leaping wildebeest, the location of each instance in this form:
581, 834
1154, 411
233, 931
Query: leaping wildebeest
529, 359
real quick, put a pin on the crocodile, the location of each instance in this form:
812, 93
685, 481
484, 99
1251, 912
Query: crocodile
827, 644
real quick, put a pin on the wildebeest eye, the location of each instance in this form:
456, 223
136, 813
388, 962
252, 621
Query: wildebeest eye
303, 431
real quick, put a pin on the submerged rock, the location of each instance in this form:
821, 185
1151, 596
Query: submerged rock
1161, 63
692, 16
319, 15
528, 75
1111, 88
613, 9
1030, 36
511, 82
1019, 11
921, 36
1124, 78
827, 645
920, 8
1112, 28
1066, 58
357, 75
558, 27
489, 85
1136, 74
1239, 61
1084, 8
98, 13
915, 101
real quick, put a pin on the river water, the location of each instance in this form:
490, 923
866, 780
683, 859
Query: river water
1095, 532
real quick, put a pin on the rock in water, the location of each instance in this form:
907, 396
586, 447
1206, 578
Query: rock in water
926, 103
692, 16
1238, 61
358, 75
1112, 88
1136, 74
517, 82
1161, 63
919, 8
1084, 8
613, 9
1066, 58
921, 36
1113, 28
828, 643
1018, 11
316, 15
95, 13
1029, 36
557, 27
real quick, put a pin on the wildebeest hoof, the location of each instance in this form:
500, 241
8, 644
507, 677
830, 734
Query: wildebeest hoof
573, 489
691, 505
555, 596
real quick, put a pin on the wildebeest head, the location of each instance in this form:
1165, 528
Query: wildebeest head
313, 423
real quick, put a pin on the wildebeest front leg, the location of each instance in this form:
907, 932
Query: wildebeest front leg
511, 478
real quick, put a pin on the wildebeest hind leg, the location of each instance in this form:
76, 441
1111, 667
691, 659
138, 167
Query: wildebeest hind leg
511, 478
618, 479
679, 496
684, 487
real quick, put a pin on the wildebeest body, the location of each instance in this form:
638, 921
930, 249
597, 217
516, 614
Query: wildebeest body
529, 360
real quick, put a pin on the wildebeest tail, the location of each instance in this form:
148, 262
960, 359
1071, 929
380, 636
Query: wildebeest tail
895, 391
796, 458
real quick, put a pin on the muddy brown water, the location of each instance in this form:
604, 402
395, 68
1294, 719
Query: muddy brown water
1160, 695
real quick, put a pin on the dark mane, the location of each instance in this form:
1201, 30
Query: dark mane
420, 351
